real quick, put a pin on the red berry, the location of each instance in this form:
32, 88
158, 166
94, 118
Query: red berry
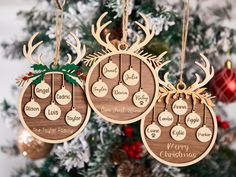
139, 150
218, 118
78, 73
133, 147
224, 125
130, 154
128, 131
25, 78
138, 143
137, 156
30, 74
83, 77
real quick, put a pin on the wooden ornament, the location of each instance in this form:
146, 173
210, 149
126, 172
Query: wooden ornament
32, 109
42, 90
178, 133
131, 77
63, 96
115, 106
120, 92
53, 112
141, 99
73, 118
100, 89
180, 107
204, 134
193, 120
110, 70
165, 119
190, 139
57, 122
153, 131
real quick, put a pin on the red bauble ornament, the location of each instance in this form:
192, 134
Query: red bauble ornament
223, 85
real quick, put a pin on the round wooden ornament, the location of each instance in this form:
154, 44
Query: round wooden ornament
32, 108
165, 118
63, 96
153, 131
42, 90
192, 135
58, 120
141, 99
178, 133
73, 118
120, 92
110, 70
118, 104
193, 120
100, 89
52, 111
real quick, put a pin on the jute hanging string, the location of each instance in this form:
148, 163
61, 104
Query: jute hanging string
59, 26
185, 24
125, 19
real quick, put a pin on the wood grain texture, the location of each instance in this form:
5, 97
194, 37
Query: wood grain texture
121, 112
174, 153
58, 130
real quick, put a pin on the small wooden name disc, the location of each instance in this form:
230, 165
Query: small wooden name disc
52, 122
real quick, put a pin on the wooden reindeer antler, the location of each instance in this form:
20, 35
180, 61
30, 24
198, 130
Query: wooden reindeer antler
79, 50
31, 48
148, 35
97, 33
166, 83
209, 73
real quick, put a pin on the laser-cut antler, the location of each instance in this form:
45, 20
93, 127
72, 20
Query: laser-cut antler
31, 48
97, 33
148, 34
166, 83
208, 70
80, 50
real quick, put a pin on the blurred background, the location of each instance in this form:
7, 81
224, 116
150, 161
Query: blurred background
212, 31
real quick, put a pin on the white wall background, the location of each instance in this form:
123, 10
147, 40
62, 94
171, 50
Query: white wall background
10, 26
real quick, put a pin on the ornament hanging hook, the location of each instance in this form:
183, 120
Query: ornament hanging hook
228, 63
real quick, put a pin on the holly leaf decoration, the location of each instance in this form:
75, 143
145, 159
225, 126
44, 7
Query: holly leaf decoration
39, 79
70, 79
70, 67
39, 67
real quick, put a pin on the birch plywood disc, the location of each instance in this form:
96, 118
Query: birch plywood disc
181, 151
121, 109
58, 130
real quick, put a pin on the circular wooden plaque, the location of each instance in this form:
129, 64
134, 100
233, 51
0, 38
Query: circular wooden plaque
122, 111
54, 131
186, 152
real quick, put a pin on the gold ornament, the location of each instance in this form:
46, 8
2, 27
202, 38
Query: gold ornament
32, 148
